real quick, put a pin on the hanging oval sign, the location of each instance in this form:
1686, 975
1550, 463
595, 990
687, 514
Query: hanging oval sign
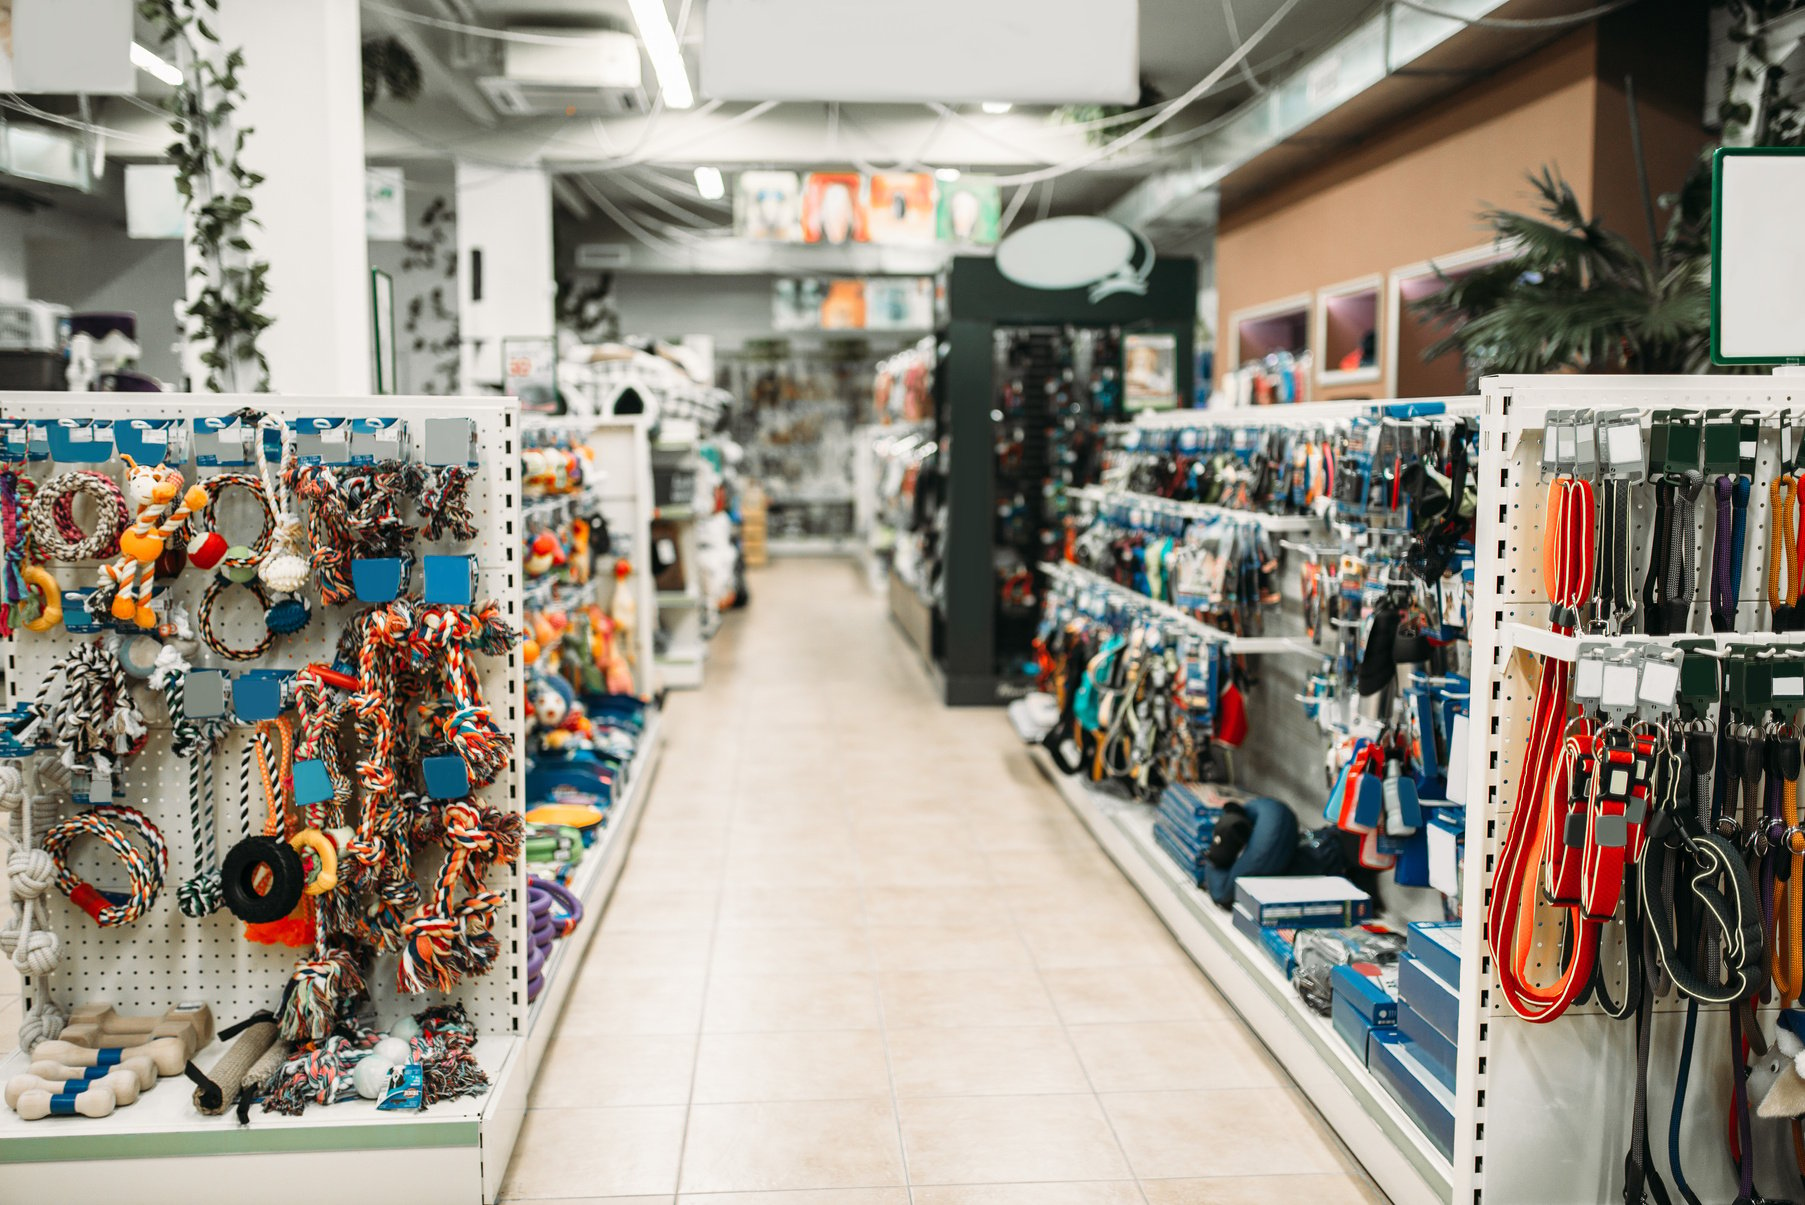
1075, 252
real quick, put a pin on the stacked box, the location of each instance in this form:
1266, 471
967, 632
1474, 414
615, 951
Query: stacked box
1364, 1000
1303, 901
1186, 822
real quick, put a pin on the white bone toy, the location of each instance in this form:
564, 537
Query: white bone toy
142, 1071
100, 1027
167, 1054
122, 1084
35, 1106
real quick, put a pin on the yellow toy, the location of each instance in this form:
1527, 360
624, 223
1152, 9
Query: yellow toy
151, 491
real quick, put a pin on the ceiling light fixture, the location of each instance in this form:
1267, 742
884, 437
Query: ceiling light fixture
946, 174
996, 108
660, 41
710, 184
151, 63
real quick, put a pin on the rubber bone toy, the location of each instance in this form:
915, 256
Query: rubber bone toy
37, 1105
121, 1083
167, 1055
141, 1069
151, 491
99, 1027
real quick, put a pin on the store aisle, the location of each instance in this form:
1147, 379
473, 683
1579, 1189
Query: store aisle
861, 948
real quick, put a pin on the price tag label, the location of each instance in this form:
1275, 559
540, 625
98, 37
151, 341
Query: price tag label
1660, 683
1621, 682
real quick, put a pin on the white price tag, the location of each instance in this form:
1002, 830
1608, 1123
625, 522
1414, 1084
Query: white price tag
1457, 760
1588, 679
1623, 443
1620, 683
667, 550
154, 435
1660, 683
1788, 682
334, 435
81, 435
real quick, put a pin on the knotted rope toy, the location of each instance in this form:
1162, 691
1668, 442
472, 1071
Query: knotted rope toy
444, 941
85, 710
112, 824
198, 741
442, 494
26, 937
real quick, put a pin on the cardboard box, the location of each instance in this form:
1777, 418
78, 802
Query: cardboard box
1303, 901
1432, 997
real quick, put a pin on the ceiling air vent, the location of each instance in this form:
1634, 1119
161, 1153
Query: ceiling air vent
582, 73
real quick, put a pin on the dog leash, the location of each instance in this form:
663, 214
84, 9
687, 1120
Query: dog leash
1568, 559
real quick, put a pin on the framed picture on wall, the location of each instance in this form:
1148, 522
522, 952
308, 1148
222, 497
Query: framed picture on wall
768, 206
902, 208
1150, 371
833, 208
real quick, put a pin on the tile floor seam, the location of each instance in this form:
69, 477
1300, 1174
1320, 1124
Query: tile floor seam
695, 1058
1065, 1029
883, 1030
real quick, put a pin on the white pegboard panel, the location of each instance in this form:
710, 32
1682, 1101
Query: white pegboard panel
166, 957
1544, 1110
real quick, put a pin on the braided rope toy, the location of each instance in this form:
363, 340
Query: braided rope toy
198, 741
442, 493
85, 709
444, 942
26, 937
111, 823
208, 624
54, 531
16, 491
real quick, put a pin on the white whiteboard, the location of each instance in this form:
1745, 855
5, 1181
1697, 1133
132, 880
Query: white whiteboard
1759, 267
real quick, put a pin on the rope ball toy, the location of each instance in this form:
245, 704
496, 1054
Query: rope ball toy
114, 825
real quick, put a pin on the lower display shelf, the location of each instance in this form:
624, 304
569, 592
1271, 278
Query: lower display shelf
454, 1153
1398, 1156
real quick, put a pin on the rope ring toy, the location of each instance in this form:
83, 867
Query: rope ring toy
209, 549
54, 531
48, 595
325, 857
111, 823
248, 861
209, 601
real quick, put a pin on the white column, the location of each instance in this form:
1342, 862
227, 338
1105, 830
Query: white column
303, 85
505, 225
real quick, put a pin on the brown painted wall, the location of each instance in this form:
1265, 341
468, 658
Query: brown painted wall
1413, 193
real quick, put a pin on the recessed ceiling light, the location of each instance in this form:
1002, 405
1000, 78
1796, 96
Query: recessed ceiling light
660, 41
997, 107
710, 184
152, 63
948, 174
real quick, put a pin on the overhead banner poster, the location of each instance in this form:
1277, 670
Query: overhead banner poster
768, 206
833, 208
851, 303
971, 212
902, 208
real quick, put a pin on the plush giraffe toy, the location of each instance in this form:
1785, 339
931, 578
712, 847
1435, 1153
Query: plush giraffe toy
154, 493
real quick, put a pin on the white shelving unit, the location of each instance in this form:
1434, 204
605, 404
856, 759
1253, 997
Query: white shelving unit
456, 1152
681, 614
1387, 1142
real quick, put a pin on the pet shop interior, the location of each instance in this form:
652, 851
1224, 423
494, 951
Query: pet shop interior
923, 602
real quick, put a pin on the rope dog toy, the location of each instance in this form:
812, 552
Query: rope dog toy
26, 938
263, 878
442, 493
209, 630
165, 1054
198, 741
142, 1071
121, 1083
154, 494
54, 531
110, 823
85, 709
442, 943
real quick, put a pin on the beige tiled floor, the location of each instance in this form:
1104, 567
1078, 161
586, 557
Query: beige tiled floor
862, 955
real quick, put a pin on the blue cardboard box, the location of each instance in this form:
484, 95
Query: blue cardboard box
1434, 998
1365, 994
1432, 1047
1436, 944
1276, 942
1422, 1096
1303, 901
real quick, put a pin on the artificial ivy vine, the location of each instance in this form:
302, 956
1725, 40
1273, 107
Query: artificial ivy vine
215, 189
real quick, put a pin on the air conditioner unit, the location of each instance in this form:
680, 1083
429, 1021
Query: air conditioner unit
583, 73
